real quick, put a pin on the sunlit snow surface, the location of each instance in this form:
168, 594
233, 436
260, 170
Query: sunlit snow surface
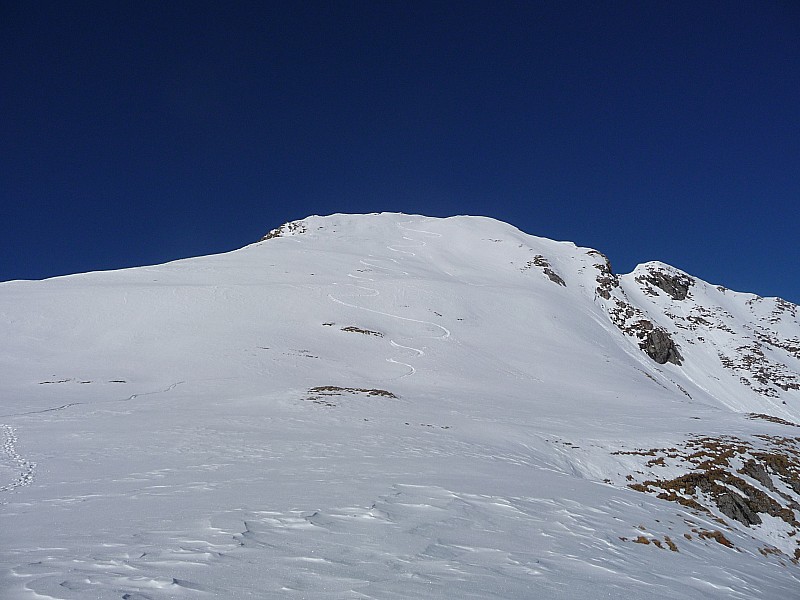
161, 439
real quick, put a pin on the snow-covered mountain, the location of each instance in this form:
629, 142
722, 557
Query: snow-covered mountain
394, 406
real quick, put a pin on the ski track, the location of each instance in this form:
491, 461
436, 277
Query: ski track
446, 331
10, 455
395, 247
400, 226
164, 391
374, 266
417, 350
397, 362
370, 262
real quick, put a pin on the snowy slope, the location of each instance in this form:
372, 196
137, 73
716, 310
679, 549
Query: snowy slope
395, 406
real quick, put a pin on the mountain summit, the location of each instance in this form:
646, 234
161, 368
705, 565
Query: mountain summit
397, 406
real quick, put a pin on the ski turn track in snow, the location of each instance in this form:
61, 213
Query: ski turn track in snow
371, 292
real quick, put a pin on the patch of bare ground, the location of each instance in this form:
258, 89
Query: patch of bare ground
771, 419
641, 539
715, 535
766, 376
322, 394
541, 262
653, 340
354, 329
727, 477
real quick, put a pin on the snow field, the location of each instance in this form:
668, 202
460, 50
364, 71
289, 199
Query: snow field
166, 417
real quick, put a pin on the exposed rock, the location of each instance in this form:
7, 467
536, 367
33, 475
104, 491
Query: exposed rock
541, 262
772, 419
712, 482
291, 228
734, 506
789, 345
353, 329
606, 280
757, 471
554, 277
784, 467
659, 346
654, 341
770, 374
675, 285
783, 307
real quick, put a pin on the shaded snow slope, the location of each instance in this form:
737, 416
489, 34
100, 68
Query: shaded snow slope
394, 406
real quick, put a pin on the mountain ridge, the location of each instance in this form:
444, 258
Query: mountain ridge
393, 405
653, 278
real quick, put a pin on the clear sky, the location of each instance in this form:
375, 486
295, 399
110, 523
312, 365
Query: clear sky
140, 132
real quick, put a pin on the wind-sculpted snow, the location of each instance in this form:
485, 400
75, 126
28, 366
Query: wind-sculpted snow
392, 406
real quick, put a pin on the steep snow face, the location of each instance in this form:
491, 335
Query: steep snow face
743, 349
394, 406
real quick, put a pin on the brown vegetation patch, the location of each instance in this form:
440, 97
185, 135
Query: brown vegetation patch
767, 550
715, 535
713, 478
743, 479
646, 541
772, 419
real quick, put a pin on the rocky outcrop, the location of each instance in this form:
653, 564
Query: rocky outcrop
606, 280
760, 349
676, 285
656, 342
734, 506
764, 375
659, 346
541, 262
291, 228
709, 480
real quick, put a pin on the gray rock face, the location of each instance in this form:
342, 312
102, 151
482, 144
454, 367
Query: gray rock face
291, 228
677, 286
734, 506
606, 280
660, 347
554, 277
541, 262
757, 471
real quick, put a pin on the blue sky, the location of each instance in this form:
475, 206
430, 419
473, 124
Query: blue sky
141, 132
